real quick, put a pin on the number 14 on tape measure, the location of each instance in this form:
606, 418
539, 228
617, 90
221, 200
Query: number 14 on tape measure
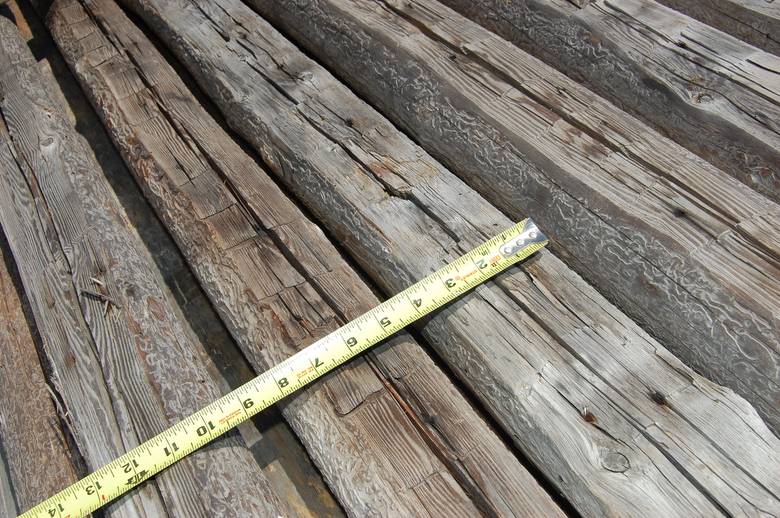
140, 463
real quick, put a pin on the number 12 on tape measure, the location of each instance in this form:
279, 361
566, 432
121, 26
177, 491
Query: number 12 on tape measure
140, 463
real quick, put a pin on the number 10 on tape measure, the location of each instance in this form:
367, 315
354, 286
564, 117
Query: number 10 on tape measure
140, 463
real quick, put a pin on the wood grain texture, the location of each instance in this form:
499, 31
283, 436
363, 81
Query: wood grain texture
613, 419
756, 22
7, 500
33, 442
127, 370
710, 92
665, 235
394, 419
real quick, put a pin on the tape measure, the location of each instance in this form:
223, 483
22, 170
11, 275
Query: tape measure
429, 294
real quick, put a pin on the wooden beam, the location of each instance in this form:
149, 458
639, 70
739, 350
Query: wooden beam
391, 434
710, 92
756, 22
123, 365
7, 501
39, 459
684, 248
580, 388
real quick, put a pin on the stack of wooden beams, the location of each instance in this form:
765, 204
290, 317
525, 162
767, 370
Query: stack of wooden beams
661, 233
633, 369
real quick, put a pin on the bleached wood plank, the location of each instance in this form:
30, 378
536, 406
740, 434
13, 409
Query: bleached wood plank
7, 502
756, 22
575, 382
39, 458
125, 370
377, 429
710, 92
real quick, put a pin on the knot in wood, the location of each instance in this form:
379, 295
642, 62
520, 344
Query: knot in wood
658, 397
615, 462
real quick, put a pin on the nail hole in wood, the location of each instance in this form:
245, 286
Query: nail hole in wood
588, 416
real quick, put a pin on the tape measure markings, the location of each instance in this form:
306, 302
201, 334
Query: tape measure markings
297, 371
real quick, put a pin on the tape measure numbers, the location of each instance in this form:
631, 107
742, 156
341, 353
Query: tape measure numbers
427, 295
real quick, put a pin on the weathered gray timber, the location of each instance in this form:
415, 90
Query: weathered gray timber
391, 434
710, 92
124, 367
681, 246
39, 459
7, 501
276, 449
613, 419
754, 21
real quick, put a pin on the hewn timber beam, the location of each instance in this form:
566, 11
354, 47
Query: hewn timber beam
754, 21
582, 390
123, 365
40, 461
710, 92
7, 501
685, 249
391, 434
